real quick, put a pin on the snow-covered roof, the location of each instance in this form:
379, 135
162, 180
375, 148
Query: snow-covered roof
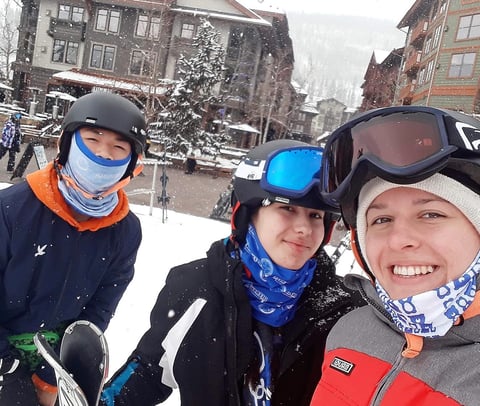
298, 88
266, 6
255, 19
323, 136
308, 108
244, 127
107, 82
61, 96
380, 55
5, 87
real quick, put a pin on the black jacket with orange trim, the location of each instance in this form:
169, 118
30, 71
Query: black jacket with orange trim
201, 337
54, 270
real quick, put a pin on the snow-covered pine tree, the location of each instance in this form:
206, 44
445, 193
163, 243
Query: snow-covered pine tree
193, 93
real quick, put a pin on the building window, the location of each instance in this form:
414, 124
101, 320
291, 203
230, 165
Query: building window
67, 12
107, 20
142, 63
64, 12
461, 65
429, 72
188, 31
102, 57
428, 45
421, 77
77, 14
298, 128
148, 25
65, 52
443, 6
142, 26
469, 27
301, 116
235, 42
436, 36
155, 27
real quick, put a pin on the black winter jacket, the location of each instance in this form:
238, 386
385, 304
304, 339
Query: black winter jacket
54, 270
201, 337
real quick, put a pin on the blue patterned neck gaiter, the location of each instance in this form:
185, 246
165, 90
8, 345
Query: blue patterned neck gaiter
93, 175
433, 313
273, 290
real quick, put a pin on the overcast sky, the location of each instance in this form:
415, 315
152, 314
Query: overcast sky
385, 9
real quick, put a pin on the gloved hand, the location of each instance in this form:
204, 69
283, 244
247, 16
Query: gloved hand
16, 386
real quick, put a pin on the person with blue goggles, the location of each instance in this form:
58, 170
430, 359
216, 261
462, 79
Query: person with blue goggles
247, 324
408, 183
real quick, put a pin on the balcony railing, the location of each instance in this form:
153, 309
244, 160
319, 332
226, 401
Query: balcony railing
407, 91
419, 32
413, 62
72, 30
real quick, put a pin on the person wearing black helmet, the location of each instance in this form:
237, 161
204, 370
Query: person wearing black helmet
247, 324
68, 240
11, 140
408, 182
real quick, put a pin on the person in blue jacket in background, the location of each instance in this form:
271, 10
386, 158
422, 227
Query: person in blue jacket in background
68, 240
11, 140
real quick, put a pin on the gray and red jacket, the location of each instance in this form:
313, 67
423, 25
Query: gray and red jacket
53, 269
368, 361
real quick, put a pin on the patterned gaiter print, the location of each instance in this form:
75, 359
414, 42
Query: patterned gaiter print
431, 314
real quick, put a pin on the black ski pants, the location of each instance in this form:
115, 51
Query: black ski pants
11, 157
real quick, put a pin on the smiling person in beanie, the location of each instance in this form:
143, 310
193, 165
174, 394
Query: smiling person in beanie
247, 324
408, 183
68, 241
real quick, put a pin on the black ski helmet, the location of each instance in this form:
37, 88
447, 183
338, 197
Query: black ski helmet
109, 111
248, 196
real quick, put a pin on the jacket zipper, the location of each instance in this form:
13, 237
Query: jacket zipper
388, 379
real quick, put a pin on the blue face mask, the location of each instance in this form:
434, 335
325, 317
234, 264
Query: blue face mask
93, 175
273, 290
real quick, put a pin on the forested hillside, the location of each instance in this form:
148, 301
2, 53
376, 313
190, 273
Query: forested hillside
332, 52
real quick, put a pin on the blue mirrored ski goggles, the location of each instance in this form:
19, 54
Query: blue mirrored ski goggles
292, 172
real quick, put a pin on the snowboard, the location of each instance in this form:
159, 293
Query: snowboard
23, 163
82, 367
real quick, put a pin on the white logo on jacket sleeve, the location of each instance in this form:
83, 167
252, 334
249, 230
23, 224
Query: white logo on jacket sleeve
40, 250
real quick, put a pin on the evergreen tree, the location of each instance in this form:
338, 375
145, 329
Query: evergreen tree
190, 98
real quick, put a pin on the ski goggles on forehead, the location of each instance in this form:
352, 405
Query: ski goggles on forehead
290, 172
398, 144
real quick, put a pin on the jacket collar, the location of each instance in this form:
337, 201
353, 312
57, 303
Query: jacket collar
44, 184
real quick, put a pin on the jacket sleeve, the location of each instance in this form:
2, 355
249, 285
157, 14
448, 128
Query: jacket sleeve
101, 307
147, 378
139, 380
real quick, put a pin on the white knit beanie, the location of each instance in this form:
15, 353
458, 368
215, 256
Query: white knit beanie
465, 199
